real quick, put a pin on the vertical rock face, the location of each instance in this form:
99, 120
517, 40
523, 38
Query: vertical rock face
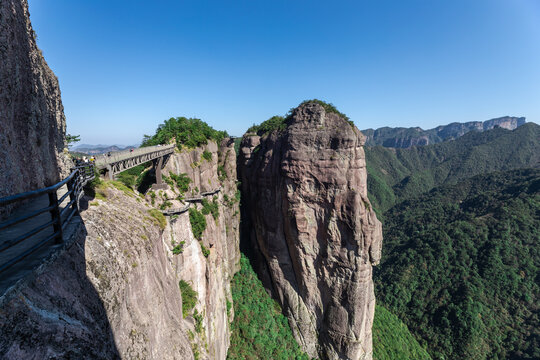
310, 218
32, 118
209, 276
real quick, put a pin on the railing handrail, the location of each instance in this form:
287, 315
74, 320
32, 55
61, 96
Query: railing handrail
116, 156
79, 176
31, 194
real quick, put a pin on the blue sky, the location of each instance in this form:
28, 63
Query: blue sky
125, 66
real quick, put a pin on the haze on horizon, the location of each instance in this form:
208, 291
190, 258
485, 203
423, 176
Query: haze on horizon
124, 67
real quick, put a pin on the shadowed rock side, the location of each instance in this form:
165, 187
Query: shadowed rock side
305, 192
32, 120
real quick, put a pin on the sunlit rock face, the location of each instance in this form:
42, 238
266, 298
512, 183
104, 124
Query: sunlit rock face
305, 192
32, 121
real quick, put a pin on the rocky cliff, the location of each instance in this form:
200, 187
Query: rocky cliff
114, 293
407, 137
211, 275
32, 118
309, 217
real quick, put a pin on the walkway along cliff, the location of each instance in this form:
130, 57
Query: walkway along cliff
315, 234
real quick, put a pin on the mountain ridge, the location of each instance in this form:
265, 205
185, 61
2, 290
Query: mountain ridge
401, 137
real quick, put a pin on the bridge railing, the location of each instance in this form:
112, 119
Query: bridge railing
59, 217
116, 156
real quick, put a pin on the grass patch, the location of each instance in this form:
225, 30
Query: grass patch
158, 218
122, 187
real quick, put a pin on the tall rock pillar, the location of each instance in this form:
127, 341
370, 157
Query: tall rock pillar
305, 190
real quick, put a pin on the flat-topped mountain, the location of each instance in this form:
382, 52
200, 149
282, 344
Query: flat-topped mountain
406, 137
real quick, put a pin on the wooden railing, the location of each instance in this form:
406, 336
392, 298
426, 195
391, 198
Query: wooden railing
60, 217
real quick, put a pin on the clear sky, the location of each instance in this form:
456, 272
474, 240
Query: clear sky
125, 66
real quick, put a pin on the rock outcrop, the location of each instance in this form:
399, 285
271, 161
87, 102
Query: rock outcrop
305, 197
32, 122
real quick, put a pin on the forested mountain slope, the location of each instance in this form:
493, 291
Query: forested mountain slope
461, 263
398, 174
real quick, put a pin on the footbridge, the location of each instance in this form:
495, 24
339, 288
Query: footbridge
190, 200
118, 161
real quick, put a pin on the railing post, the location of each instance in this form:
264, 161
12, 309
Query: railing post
73, 195
55, 214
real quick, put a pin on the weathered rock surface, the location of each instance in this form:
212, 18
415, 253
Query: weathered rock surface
32, 122
211, 276
306, 199
114, 293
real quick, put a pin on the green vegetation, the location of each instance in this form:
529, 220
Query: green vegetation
392, 340
72, 139
189, 297
198, 321
182, 181
207, 155
460, 266
190, 133
165, 205
237, 143
259, 329
198, 222
120, 186
158, 218
205, 251
179, 248
279, 123
395, 175
222, 174
274, 123
210, 207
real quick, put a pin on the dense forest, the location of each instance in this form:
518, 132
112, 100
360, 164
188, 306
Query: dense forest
259, 327
461, 265
399, 174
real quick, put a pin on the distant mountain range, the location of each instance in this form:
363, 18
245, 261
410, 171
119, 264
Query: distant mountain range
99, 149
406, 137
